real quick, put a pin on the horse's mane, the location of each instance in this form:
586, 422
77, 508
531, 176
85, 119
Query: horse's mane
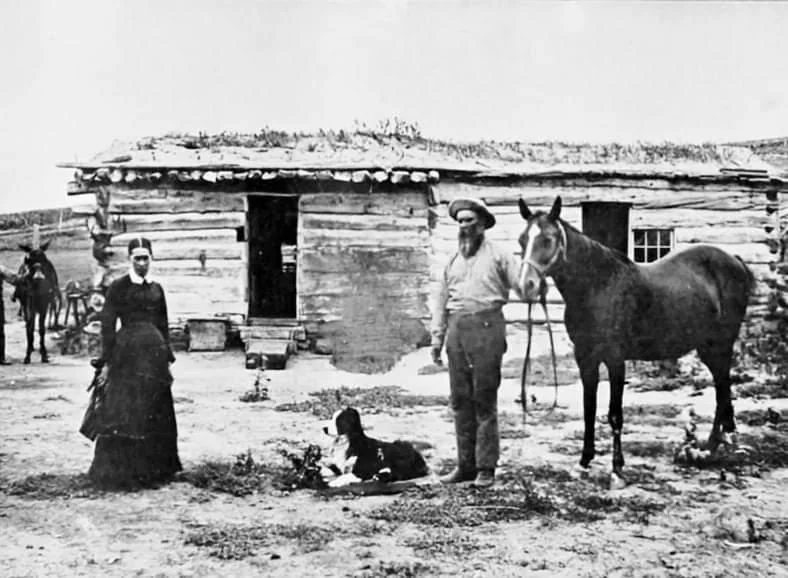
600, 254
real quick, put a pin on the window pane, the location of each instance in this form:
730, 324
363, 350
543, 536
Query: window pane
664, 238
639, 237
652, 254
639, 255
663, 251
652, 237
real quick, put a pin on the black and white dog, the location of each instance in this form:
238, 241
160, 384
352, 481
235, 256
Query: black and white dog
355, 457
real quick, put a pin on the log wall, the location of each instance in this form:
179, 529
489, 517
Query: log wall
197, 255
363, 271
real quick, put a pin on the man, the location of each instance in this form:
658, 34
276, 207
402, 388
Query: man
6, 274
468, 316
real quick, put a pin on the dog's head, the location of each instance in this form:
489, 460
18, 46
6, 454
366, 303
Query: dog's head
345, 422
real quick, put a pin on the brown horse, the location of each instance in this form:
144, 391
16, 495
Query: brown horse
618, 310
39, 294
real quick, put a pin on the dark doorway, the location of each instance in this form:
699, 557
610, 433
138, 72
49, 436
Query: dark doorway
608, 223
273, 228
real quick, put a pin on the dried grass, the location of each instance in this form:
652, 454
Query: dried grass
378, 399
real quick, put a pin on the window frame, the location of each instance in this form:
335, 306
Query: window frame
633, 245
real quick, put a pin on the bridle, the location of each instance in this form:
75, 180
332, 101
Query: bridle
560, 254
543, 271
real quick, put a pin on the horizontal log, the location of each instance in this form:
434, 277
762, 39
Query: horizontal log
344, 285
385, 260
166, 200
177, 221
362, 223
183, 306
717, 234
751, 253
344, 238
400, 204
682, 218
191, 267
323, 308
723, 199
190, 236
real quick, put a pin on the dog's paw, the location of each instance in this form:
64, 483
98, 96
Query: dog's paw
384, 475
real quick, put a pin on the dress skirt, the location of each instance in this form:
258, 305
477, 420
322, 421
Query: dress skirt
137, 444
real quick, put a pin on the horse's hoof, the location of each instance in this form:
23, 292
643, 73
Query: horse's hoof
617, 482
26, 361
579, 472
44, 360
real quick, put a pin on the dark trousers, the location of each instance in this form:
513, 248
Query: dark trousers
2, 324
475, 344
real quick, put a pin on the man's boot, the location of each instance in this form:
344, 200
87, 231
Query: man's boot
484, 479
458, 475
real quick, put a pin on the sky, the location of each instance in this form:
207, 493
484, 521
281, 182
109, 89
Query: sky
79, 74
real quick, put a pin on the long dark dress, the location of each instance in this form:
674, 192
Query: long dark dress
138, 436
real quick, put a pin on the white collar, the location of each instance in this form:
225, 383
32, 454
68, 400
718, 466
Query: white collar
137, 280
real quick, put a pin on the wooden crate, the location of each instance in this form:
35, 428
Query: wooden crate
207, 334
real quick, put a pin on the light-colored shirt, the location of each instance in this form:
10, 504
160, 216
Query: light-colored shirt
7, 274
478, 283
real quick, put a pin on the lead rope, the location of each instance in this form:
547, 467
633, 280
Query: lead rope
524, 374
543, 300
527, 360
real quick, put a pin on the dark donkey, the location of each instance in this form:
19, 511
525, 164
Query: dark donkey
618, 310
38, 293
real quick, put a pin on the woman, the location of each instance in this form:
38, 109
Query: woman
137, 443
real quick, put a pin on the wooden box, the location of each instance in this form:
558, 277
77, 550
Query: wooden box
207, 334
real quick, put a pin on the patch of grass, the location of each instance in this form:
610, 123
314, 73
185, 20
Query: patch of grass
540, 473
663, 410
769, 389
242, 477
759, 417
51, 486
445, 542
236, 542
647, 448
409, 569
650, 383
369, 400
463, 506
763, 450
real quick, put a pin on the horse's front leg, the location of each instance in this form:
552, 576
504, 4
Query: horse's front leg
589, 374
615, 416
42, 330
30, 333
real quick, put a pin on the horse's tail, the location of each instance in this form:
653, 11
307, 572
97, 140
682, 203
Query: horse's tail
750, 279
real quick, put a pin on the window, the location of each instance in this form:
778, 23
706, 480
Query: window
651, 244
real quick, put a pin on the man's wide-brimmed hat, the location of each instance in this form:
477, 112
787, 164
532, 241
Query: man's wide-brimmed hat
476, 205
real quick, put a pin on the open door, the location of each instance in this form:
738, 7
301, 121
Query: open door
607, 223
273, 224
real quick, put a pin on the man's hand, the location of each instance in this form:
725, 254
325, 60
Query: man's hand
436, 356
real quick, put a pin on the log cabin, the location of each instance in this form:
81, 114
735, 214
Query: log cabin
334, 240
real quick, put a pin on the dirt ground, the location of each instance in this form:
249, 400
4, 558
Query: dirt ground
541, 518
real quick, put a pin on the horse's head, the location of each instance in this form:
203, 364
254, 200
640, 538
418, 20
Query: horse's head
543, 244
36, 264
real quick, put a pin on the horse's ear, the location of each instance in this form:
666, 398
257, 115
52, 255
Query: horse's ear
555, 212
45, 245
25, 247
524, 210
